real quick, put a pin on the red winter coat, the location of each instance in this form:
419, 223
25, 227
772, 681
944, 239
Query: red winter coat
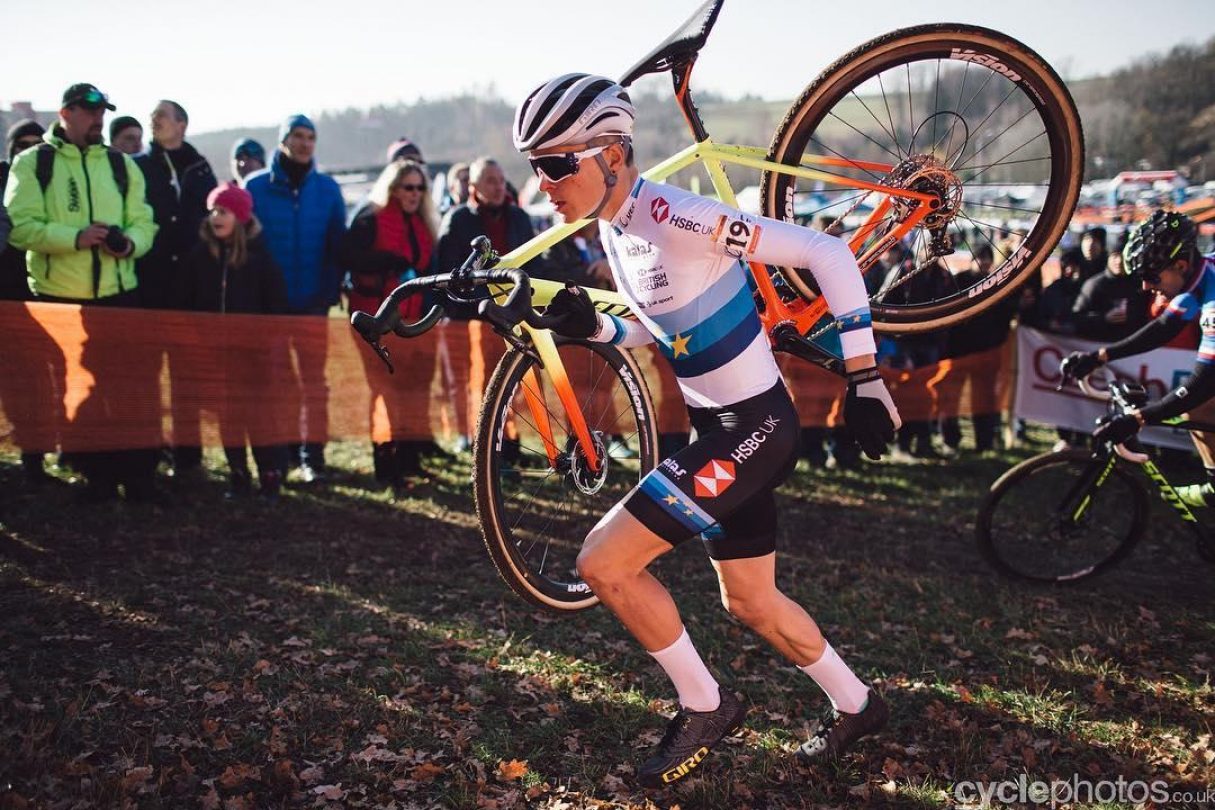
384, 245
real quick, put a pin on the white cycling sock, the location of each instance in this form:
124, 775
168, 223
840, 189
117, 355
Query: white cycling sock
846, 691
697, 688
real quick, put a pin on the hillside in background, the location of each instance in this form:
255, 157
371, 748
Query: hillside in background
1158, 112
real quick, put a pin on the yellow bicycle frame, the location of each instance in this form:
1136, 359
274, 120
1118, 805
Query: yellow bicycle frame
803, 314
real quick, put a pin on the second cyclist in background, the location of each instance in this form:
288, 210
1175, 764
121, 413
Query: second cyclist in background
1162, 253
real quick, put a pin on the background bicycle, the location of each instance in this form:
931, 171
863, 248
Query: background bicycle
1066, 516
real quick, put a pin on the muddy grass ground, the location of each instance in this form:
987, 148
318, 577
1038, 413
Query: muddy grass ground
345, 649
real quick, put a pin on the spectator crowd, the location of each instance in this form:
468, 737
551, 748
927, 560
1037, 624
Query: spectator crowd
146, 222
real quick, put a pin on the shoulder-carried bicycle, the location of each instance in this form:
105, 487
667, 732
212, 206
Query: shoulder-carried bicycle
943, 137
1070, 515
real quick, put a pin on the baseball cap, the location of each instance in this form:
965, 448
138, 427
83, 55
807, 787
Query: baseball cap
87, 96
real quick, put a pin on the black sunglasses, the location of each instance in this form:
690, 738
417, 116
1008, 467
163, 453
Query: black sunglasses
556, 168
411, 187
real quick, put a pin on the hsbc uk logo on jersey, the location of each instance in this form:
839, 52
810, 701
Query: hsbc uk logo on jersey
714, 478
750, 444
660, 210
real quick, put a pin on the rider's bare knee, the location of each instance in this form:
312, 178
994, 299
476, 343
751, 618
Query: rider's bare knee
756, 610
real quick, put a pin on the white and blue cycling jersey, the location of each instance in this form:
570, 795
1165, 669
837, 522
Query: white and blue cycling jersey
678, 259
1199, 302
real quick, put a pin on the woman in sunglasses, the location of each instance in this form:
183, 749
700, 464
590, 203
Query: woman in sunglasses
390, 241
678, 259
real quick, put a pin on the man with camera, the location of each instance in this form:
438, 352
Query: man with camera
78, 211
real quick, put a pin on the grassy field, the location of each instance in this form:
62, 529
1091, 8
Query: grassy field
345, 649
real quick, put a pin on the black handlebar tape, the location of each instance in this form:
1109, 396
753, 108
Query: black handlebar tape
365, 325
409, 330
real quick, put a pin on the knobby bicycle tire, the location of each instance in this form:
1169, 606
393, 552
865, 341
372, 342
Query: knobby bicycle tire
1042, 88
510, 526
1002, 518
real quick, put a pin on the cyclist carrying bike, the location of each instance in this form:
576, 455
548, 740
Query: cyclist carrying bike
679, 260
1163, 254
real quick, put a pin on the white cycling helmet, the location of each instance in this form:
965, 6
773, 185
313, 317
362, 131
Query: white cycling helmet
573, 108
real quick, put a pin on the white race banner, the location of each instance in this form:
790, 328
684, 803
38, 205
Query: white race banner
1038, 356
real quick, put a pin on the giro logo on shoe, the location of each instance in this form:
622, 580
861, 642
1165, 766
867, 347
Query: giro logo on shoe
714, 478
687, 766
660, 210
968, 55
750, 444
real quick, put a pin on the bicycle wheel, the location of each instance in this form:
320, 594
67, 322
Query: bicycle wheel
968, 115
534, 514
1026, 527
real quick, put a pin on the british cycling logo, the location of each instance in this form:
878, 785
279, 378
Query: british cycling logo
714, 478
660, 210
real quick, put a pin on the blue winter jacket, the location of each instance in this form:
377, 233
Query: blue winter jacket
304, 230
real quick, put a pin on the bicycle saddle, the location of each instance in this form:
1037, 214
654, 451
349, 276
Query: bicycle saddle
679, 46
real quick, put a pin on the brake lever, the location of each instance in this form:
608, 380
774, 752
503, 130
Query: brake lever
511, 338
382, 351
1063, 381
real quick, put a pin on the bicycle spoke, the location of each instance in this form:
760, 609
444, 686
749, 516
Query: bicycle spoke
987, 166
978, 127
961, 114
975, 153
893, 128
532, 497
1007, 207
953, 125
863, 193
866, 136
936, 102
880, 124
994, 247
1013, 152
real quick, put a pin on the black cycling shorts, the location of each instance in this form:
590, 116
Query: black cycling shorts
720, 486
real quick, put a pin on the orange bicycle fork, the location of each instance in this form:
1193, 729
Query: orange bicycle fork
533, 393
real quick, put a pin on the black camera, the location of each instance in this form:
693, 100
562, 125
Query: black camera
114, 240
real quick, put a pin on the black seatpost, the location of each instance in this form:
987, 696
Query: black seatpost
681, 76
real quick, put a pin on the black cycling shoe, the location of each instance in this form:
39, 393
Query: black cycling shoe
837, 731
690, 735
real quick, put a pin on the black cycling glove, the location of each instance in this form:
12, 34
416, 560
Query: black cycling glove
1079, 365
573, 313
869, 412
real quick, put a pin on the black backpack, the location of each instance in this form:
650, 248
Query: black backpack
45, 168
